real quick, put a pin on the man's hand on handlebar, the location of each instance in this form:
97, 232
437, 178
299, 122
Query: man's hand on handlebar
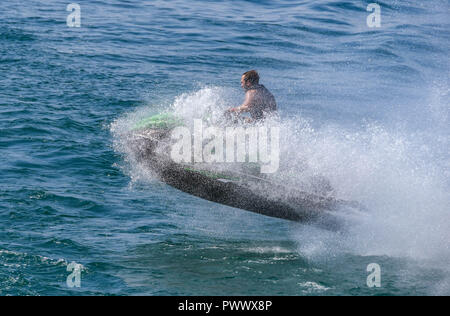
232, 110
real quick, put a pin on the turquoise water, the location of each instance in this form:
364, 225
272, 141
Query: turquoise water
366, 108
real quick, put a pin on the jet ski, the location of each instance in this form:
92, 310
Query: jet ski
241, 187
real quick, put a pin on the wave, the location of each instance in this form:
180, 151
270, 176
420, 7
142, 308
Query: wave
393, 172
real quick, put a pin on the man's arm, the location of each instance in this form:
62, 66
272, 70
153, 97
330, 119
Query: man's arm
248, 102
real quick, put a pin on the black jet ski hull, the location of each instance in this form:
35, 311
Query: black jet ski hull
235, 190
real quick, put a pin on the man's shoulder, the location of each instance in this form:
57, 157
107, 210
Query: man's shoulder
251, 93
